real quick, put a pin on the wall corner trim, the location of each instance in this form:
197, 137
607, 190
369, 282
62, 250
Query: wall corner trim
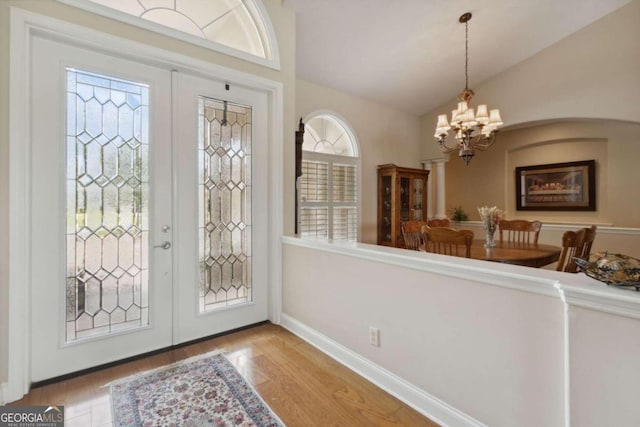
620, 302
420, 400
3, 393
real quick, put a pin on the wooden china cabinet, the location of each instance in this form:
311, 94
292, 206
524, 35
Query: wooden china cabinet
402, 196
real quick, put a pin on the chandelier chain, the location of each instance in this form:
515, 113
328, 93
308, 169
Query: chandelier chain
466, 55
473, 128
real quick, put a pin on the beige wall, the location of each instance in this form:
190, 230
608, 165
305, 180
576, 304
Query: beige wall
384, 136
283, 20
592, 73
430, 323
585, 89
490, 177
493, 341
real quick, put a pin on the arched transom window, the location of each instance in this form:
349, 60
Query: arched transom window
236, 27
329, 183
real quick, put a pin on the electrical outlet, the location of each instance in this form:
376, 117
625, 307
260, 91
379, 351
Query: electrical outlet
374, 336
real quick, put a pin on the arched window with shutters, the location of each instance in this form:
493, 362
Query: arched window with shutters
329, 186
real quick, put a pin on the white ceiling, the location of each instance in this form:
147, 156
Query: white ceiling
409, 54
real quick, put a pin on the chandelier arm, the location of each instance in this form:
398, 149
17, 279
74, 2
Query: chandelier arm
482, 143
445, 148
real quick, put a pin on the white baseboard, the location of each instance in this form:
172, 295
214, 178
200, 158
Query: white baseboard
418, 399
3, 393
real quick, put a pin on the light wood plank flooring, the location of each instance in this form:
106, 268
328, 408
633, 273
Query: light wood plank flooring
303, 386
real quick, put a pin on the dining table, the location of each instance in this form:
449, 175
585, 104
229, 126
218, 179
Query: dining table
527, 254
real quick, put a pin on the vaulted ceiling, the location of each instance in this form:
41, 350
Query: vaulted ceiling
409, 54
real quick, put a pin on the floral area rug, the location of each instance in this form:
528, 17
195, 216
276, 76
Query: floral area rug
205, 390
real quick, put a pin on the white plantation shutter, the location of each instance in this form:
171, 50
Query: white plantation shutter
314, 184
344, 202
344, 183
314, 223
323, 213
314, 198
328, 188
345, 224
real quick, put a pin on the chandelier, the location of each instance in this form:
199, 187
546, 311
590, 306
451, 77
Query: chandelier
472, 129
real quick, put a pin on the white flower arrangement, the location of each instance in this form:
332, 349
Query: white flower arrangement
490, 216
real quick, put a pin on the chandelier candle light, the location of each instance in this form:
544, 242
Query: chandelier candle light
490, 217
465, 121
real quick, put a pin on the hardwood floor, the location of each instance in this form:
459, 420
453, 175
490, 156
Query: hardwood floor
302, 385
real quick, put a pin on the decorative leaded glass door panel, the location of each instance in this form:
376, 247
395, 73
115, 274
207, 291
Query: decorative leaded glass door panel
149, 208
222, 208
100, 198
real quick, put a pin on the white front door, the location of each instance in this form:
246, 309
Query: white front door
221, 207
139, 242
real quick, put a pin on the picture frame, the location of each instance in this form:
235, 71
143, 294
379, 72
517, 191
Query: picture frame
567, 186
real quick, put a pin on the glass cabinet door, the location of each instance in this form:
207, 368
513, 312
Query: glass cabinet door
405, 199
385, 225
418, 188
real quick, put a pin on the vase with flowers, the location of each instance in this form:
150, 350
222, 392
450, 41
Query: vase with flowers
490, 217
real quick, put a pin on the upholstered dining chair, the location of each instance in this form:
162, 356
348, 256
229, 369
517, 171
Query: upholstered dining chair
439, 222
412, 234
448, 241
519, 231
572, 246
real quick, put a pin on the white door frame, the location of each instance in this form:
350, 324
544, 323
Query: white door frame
24, 25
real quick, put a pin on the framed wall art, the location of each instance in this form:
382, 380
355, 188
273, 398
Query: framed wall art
557, 187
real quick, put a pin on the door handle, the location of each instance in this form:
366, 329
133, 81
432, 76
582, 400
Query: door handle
163, 245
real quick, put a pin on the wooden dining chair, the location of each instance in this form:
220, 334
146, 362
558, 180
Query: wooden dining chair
412, 234
572, 246
519, 231
448, 241
438, 222
589, 237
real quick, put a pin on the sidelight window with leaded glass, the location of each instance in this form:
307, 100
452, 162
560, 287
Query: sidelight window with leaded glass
107, 204
224, 156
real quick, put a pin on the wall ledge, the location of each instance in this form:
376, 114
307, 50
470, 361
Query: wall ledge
574, 289
421, 401
494, 274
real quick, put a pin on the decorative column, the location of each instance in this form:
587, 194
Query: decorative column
440, 192
427, 165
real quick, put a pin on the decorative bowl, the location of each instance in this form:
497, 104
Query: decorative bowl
612, 269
